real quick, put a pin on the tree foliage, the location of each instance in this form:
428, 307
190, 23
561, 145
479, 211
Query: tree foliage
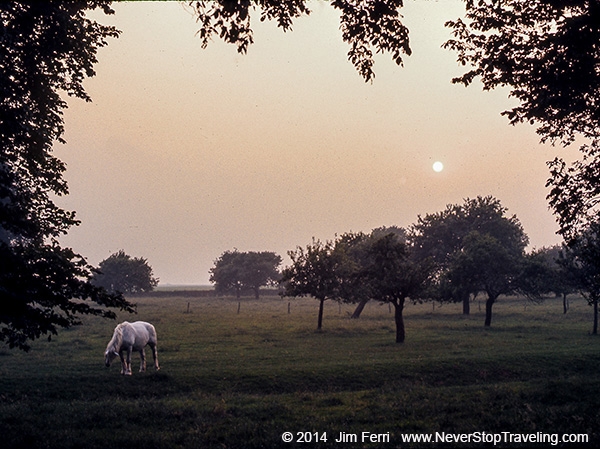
444, 236
368, 26
575, 191
125, 274
356, 248
546, 52
238, 271
392, 275
359, 267
583, 259
486, 264
320, 270
45, 48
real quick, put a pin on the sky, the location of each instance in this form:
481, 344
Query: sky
185, 153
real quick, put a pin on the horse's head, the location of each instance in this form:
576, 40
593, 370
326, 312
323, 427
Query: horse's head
109, 356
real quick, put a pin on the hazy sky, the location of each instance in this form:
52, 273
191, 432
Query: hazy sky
186, 153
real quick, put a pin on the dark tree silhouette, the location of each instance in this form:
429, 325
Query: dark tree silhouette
584, 259
487, 264
125, 274
318, 271
237, 271
546, 52
442, 235
392, 275
45, 48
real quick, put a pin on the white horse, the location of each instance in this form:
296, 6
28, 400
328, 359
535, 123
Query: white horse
129, 337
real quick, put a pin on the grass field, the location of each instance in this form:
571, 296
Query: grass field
240, 380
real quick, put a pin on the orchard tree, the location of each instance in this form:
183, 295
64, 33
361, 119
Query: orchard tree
561, 276
487, 265
125, 274
319, 270
583, 256
46, 49
239, 271
356, 247
392, 275
442, 237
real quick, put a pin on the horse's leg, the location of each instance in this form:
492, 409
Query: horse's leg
142, 360
123, 365
155, 356
128, 361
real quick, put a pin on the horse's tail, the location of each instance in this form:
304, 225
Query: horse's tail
152, 332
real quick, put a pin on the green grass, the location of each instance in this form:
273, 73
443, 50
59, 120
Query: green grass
241, 380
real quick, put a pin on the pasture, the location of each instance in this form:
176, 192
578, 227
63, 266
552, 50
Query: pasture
240, 380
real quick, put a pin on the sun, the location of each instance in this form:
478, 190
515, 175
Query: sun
438, 166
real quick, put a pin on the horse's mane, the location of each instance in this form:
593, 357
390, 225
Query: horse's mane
115, 343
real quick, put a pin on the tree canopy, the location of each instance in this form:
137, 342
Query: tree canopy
583, 261
238, 271
392, 275
319, 270
444, 237
125, 274
45, 48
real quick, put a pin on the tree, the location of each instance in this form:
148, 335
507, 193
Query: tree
575, 191
367, 25
318, 271
245, 271
356, 247
125, 274
486, 264
441, 236
584, 259
45, 48
392, 276
559, 274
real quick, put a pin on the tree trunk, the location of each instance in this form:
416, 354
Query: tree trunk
595, 330
320, 321
400, 331
488, 310
466, 302
359, 308
257, 293
565, 303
